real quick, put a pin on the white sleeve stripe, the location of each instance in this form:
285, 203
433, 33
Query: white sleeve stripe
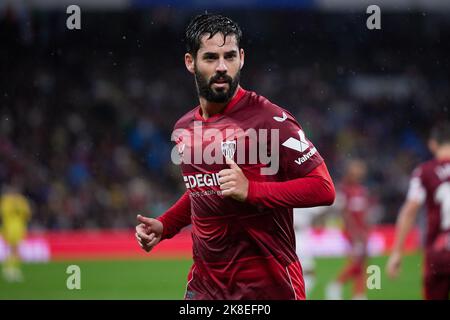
416, 191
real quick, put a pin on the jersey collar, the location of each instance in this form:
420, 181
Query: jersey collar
237, 97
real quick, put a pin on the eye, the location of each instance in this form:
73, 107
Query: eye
209, 58
230, 56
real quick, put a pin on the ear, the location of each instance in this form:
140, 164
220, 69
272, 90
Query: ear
433, 146
242, 54
189, 62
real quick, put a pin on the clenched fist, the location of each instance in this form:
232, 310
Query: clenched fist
148, 232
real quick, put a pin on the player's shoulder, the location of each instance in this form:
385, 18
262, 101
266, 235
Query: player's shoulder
424, 168
269, 112
184, 120
5, 198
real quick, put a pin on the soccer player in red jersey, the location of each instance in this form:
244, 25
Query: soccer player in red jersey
246, 163
429, 185
354, 203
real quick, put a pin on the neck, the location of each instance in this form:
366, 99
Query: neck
443, 152
211, 108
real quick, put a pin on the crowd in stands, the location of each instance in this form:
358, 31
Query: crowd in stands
86, 116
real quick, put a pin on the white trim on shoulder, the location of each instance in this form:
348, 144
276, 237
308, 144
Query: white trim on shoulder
416, 191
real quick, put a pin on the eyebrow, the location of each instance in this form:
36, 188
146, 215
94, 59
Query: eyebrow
208, 55
231, 53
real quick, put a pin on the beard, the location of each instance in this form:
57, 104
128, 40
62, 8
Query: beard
219, 95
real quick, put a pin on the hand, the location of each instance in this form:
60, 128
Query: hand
393, 264
148, 232
233, 182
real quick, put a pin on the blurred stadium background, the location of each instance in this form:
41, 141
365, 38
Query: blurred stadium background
86, 118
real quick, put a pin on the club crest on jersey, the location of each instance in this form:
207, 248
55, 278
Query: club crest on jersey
229, 148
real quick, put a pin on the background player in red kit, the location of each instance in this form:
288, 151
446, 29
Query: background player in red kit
242, 220
430, 184
354, 205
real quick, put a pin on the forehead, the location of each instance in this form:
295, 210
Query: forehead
216, 43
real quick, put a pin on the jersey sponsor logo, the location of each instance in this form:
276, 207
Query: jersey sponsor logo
306, 157
298, 145
281, 119
201, 180
229, 148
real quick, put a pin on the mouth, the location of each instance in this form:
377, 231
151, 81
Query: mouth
220, 84
220, 81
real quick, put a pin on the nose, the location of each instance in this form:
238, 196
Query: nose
221, 67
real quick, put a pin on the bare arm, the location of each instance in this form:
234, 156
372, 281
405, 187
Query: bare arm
405, 222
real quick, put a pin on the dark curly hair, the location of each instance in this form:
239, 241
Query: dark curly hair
209, 24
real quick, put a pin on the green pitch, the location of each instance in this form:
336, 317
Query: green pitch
166, 279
